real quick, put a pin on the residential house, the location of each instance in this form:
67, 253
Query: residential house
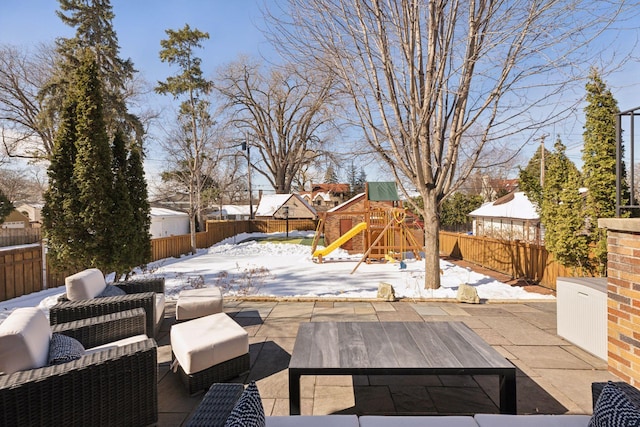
33, 211
282, 206
511, 217
326, 196
229, 212
16, 219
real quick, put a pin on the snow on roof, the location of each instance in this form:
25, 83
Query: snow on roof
513, 205
236, 209
270, 203
166, 212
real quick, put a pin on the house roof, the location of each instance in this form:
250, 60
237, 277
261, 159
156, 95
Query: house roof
166, 212
330, 188
342, 205
270, 203
513, 205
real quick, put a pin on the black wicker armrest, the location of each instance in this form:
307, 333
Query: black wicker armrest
69, 311
152, 284
112, 387
104, 329
216, 405
630, 391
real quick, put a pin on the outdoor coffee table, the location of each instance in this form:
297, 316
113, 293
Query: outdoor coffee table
396, 348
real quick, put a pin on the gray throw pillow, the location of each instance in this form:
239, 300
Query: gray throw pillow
248, 410
63, 349
111, 291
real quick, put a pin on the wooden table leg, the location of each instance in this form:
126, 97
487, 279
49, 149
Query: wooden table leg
294, 392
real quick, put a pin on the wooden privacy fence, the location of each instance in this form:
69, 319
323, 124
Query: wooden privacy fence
217, 231
19, 236
20, 271
514, 258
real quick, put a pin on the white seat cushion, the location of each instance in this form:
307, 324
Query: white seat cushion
159, 308
418, 421
115, 344
503, 420
86, 284
202, 343
194, 303
314, 421
24, 340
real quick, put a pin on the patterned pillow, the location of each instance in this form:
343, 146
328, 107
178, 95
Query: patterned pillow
613, 409
63, 349
111, 291
248, 410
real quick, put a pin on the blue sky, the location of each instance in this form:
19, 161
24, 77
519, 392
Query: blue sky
234, 29
140, 25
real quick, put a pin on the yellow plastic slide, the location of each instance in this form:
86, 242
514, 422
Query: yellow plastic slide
341, 240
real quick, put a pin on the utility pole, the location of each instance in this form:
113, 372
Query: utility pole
246, 146
542, 138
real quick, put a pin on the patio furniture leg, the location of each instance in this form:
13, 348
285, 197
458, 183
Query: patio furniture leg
508, 399
294, 392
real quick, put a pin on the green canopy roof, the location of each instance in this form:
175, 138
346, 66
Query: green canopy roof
382, 191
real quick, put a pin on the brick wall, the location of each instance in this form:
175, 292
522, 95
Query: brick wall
623, 303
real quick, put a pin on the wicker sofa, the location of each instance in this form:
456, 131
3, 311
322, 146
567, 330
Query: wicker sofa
219, 401
141, 293
114, 386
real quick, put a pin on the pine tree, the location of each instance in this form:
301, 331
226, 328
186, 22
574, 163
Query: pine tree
330, 176
78, 205
360, 182
455, 209
140, 238
193, 117
59, 213
562, 211
5, 206
529, 177
92, 20
123, 228
599, 163
352, 176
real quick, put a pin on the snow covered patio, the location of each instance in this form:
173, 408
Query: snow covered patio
554, 376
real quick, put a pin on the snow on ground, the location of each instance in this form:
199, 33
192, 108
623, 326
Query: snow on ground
258, 268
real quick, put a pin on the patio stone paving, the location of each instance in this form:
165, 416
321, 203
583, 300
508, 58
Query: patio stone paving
553, 376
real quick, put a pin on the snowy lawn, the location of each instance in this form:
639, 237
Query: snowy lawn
243, 266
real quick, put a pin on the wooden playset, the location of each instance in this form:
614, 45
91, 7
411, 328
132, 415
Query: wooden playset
374, 224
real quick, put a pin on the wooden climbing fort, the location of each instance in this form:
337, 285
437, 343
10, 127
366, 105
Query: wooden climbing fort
373, 223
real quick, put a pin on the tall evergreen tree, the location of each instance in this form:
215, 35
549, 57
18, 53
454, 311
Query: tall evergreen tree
454, 211
92, 20
361, 182
78, 217
529, 177
123, 227
330, 176
5, 206
193, 117
562, 211
140, 238
599, 163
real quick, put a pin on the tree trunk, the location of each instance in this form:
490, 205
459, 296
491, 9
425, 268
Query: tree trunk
431, 241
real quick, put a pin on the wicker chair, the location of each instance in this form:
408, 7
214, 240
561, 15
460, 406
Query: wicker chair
117, 386
140, 293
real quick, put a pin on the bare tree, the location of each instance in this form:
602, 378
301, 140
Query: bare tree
26, 133
285, 114
430, 79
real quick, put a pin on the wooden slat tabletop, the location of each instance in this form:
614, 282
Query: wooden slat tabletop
389, 345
